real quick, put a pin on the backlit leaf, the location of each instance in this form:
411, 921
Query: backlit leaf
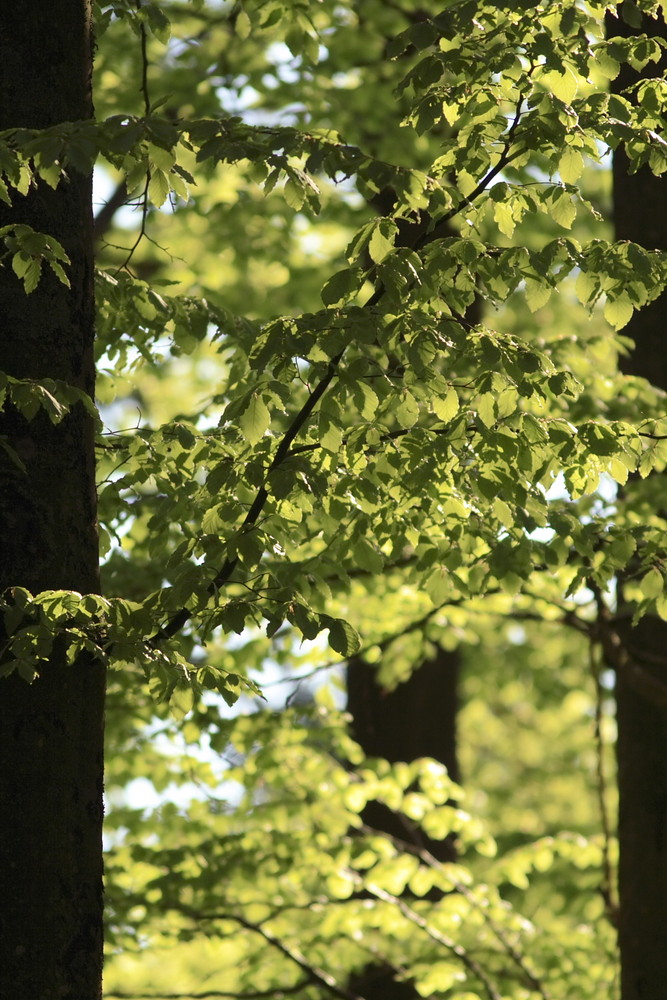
618, 311
255, 419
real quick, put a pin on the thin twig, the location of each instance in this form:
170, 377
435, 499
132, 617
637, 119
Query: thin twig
443, 939
222, 577
277, 993
316, 974
569, 619
504, 160
608, 876
283, 451
142, 227
104, 217
147, 108
432, 862
144, 62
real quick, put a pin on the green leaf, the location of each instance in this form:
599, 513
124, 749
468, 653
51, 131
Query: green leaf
486, 409
366, 400
538, 294
341, 287
605, 63
55, 409
28, 269
367, 557
632, 14
161, 158
438, 586
59, 272
295, 193
563, 85
243, 25
382, 239
158, 187
503, 513
563, 209
331, 435
307, 623
587, 287
446, 407
652, 583
343, 638
212, 523
255, 419
407, 410
438, 977
158, 22
504, 217
571, 165
618, 311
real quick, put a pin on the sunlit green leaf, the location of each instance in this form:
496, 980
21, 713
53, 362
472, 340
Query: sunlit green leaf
255, 419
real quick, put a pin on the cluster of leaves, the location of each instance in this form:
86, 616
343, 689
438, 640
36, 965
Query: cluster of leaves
110, 631
30, 251
331, 438
357, 895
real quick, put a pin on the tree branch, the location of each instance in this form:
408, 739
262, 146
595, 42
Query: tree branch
104, 218
437, 936
277, 993
222, 577
315, 974
432, 862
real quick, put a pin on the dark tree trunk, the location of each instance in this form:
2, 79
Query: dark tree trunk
416, 719
50, 731
640, 215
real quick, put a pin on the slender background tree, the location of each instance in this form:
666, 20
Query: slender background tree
640, 215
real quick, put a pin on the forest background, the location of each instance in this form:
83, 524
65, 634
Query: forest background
380, 448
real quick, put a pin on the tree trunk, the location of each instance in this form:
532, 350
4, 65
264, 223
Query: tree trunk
416, 719
640, 215
50, 731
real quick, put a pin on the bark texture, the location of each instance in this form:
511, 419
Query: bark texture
51, 732
640, 215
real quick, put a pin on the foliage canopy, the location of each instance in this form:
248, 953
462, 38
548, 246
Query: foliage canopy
311, 447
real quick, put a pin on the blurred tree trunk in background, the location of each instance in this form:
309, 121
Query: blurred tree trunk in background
640, 215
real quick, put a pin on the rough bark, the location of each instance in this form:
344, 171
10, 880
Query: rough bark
640, 215
50, 731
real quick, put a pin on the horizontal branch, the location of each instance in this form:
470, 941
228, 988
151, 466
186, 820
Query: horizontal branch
276, 994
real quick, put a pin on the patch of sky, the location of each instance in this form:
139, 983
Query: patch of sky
281, 690
103, 189
606, 494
